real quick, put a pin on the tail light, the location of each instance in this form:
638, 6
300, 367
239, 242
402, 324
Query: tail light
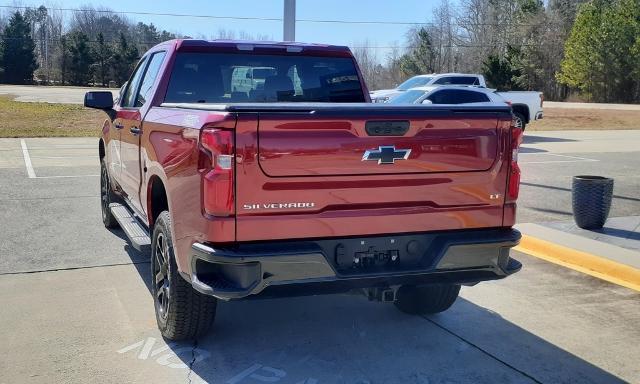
541, 99
218, 171
513, 187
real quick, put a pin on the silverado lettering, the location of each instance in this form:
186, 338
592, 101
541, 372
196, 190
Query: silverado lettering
207, 135
278, 205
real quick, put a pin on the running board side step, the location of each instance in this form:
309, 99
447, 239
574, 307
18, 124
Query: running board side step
136, 232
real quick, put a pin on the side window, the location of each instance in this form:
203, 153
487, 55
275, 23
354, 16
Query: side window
457, 96
443, 80
149, 78
472, 97
442, 97
129, 95
464, 80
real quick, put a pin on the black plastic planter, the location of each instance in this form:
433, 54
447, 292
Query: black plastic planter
591, 198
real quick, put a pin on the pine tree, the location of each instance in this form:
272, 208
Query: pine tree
422, 57
80, 58
124, 59
103, 57
64, 60
601, 56
17, 51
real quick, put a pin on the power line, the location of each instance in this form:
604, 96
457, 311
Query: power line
253, 18
461, 45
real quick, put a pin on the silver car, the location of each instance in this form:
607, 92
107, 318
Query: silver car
447, 95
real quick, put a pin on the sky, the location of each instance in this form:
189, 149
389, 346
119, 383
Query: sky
409, 11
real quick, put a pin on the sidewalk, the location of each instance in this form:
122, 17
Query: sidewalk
621, 231
611, 253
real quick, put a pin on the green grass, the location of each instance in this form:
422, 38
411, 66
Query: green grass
18, 119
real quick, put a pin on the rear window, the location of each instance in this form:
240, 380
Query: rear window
237, 78
408, 97
414, 82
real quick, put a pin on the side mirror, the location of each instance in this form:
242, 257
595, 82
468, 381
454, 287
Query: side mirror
427, 101
99, 100
102, 100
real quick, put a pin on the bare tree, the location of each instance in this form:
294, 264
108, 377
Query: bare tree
367, 61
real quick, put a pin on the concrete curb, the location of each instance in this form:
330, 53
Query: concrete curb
604, 261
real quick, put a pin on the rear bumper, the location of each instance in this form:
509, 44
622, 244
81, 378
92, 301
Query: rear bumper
289, 268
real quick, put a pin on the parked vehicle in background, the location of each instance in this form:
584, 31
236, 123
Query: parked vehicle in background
527, 106
383, 95
299, 185
447, 95
245, 79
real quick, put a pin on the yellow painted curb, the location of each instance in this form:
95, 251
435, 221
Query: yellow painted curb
584, 262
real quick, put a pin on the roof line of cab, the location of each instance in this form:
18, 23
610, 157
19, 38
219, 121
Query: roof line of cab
250, 45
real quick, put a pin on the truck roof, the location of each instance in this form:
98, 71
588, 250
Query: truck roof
254, 45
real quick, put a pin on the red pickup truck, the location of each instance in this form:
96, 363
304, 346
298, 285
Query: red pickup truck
253, 169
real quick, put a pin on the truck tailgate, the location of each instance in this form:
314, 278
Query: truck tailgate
319, 145
341, 171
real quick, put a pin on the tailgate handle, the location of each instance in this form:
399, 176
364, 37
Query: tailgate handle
387, 128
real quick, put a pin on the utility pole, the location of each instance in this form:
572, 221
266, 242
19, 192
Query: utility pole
289, 21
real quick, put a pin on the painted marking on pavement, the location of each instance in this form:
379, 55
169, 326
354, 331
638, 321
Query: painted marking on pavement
64, 157
27, 160
64, 176
580, 261
573, 159
169, 356
32, 173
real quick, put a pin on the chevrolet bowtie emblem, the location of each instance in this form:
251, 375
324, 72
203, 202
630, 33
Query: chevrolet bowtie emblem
386, 154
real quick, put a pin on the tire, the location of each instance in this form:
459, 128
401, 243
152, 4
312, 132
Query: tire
181, 311
519, 121
426, 299
106, 197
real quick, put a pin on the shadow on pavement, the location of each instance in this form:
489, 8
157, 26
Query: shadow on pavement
533, 139
345, 338
139, 260
617, 232
555, 211
569, 190
531, 150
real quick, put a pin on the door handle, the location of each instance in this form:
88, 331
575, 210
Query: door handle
118, 126
135, 130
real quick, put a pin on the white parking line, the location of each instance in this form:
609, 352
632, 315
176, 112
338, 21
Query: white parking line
65, 157
70, 146
571, 157
574, 159
32, 173
27, 160
64, 176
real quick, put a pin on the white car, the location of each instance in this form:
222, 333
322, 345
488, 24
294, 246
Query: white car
383, 95
434, 94
526, 106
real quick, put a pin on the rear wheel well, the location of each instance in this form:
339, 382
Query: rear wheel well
157, 199
523, 110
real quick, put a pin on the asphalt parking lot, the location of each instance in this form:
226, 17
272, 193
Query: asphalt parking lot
76, 306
